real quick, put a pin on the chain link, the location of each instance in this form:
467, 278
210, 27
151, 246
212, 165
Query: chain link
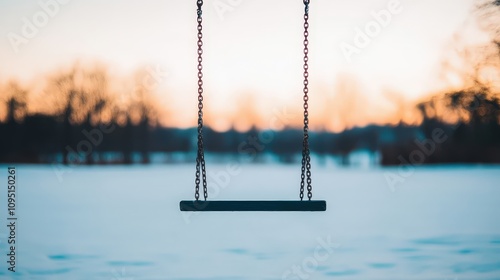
306, 158
200, 157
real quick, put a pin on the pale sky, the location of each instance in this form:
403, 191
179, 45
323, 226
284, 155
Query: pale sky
251, 47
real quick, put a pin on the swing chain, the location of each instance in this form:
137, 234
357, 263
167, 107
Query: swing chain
306, 159
200, 157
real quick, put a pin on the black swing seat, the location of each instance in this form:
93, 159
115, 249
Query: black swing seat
253, 205
259, 205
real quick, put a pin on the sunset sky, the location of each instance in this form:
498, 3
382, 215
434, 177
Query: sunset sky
253, 53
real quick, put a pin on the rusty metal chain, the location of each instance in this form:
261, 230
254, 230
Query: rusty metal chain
306, 158
200, 157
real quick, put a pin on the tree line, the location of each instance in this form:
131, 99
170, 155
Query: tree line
457, 127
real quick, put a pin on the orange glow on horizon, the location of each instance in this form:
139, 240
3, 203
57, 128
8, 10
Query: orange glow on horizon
252, 65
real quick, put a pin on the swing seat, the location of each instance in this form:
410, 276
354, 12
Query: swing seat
259, 205
255, 205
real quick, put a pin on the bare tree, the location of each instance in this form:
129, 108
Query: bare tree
15, 100
78, 96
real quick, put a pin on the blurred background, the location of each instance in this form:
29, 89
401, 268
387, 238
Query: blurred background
381, 80
98, 114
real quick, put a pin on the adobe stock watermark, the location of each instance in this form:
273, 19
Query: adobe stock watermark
308, 265
250, 148
373, 28
152, 78
32, 26
425, 148
257, 144
84, 148
121, 275
223, 7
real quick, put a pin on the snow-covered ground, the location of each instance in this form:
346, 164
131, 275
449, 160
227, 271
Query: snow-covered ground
118, 222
